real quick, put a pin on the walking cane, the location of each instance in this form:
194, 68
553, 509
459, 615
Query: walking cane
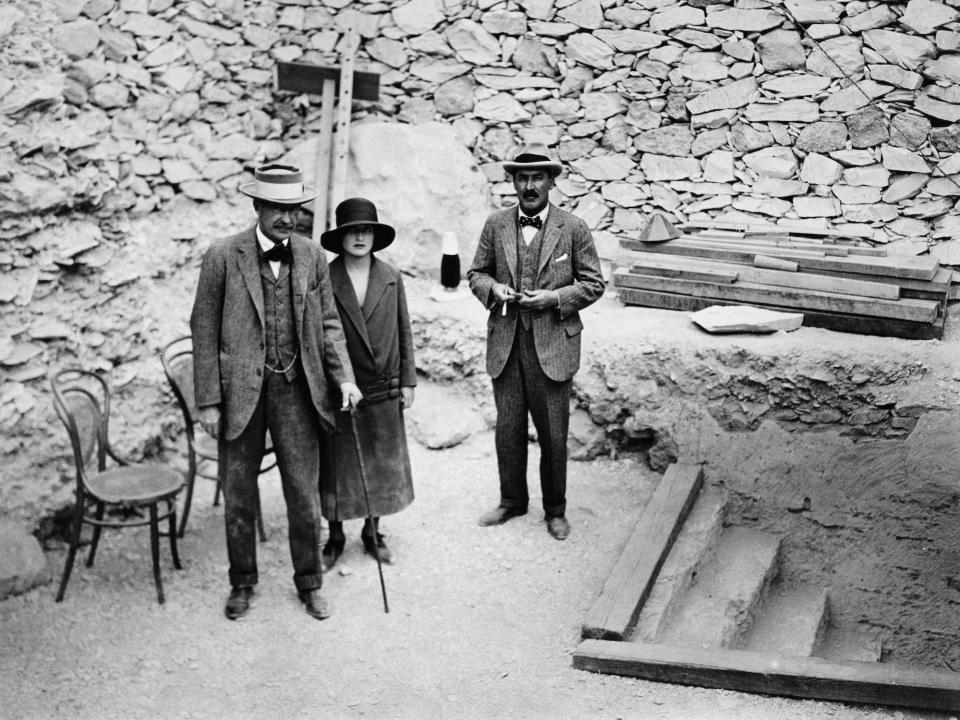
366, 498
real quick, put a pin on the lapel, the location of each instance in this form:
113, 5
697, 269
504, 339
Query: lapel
299, 273
377, 285
347, 299
248, 262
508, 240
550, 235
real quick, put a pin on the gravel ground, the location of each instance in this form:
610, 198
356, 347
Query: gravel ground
482, 621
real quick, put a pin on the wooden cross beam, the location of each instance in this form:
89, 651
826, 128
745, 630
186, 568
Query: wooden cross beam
326, 82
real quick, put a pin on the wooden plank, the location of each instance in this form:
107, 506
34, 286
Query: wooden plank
307, 78
715, 271
924, 311
774, 263
321, 204
813, 281
824, 244
615, 612
857, 324
771, 228
922, 268
341, 143
769, 674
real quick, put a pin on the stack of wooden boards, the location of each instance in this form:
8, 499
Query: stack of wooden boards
835, 278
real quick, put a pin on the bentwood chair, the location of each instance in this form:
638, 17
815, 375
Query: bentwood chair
115, 496
202, 451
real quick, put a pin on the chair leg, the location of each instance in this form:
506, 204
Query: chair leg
95, 541
155, 550
260, 528
187, 501
72, 553
173, 535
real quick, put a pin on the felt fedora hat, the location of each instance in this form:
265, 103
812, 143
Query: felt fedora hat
533, 156
350, 213
281, 184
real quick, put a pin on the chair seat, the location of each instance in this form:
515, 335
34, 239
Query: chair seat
135, 484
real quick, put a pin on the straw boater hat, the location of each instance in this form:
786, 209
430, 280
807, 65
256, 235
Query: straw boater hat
281, 184
534, 156
353, 212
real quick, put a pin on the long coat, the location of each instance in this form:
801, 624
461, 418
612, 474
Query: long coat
380, 344
227, 323
568, 264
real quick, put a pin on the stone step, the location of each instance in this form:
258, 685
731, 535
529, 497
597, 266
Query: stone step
720, 605
850, 642
691, 551
792, 621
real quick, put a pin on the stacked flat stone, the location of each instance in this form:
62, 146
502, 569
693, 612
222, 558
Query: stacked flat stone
830, 112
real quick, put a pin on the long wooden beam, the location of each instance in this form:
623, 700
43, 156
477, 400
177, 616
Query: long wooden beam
768, 227
793, 676
923, 268
615, 612
924, 311
860, 324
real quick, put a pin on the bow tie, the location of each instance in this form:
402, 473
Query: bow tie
278, 253
533, 221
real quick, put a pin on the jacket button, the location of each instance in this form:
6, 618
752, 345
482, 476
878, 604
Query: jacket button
261, 346
258, 372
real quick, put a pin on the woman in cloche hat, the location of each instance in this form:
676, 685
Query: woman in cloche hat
373, 311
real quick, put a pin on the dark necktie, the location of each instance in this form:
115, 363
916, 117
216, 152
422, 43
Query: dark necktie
278, 253
532, 221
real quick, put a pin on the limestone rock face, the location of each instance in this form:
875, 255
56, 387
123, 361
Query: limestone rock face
428, 184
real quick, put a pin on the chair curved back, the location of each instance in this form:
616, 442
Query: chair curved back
177, 360
82, 402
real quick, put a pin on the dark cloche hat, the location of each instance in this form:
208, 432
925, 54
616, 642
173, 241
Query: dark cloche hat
350, 213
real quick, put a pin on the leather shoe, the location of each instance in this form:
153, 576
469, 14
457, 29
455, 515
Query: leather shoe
380, 548
558, 527
315, 604
238, 603
332, 551
500, 515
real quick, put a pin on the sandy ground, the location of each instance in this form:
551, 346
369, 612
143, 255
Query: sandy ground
482, 621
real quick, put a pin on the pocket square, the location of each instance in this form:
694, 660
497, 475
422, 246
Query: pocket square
561, 258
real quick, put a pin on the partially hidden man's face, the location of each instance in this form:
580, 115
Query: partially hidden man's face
277, 221
533, 189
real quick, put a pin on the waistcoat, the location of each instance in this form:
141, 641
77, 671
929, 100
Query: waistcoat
281, 328
528, 258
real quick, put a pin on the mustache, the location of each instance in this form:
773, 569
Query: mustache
532, 194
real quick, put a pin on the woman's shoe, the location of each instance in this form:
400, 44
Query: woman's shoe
380, 547
332, 551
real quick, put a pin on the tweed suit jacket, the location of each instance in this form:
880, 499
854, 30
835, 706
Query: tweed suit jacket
568, 264
227, 323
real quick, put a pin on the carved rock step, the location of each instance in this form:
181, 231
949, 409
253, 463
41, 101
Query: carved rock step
692, 550
844, 643
719, 608
792, 621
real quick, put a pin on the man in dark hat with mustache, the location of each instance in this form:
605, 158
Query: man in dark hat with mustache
267, 341
535, 268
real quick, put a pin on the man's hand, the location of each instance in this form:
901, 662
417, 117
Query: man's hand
209, 418
540, 299
504, 293
406, 397
351, 395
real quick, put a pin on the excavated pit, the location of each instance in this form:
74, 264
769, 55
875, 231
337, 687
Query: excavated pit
844, 446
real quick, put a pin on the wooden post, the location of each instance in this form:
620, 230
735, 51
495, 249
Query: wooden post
321, 203
342, 141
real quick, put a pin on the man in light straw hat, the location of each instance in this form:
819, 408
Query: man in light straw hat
535, 268
267, 339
